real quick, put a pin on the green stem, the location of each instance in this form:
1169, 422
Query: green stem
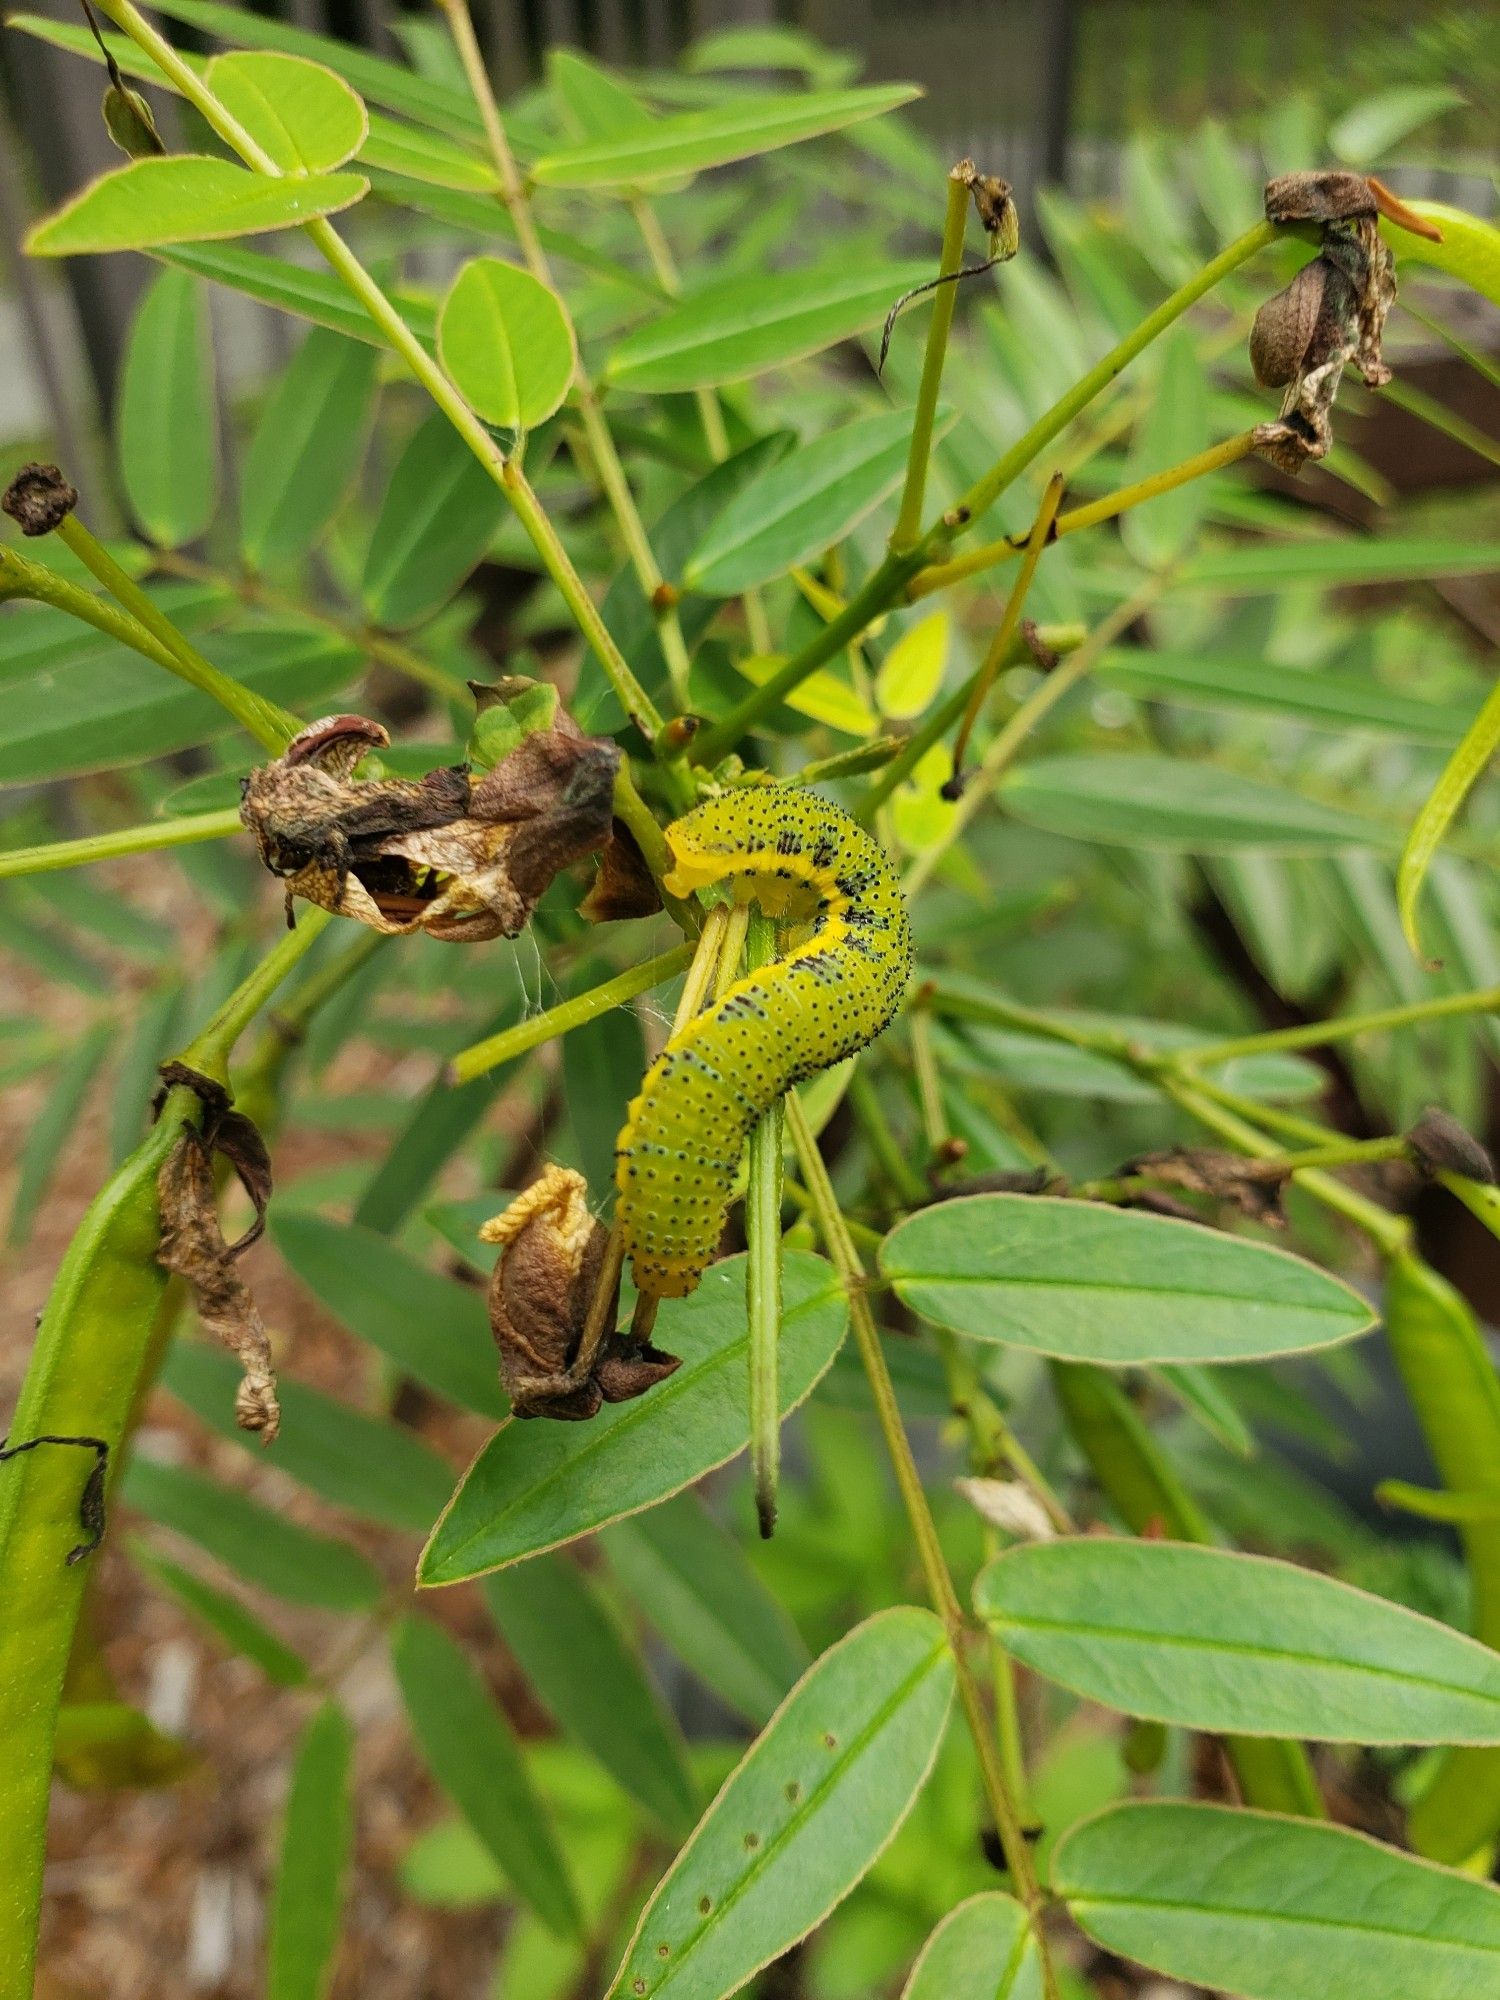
1314, 1034
21, 577
93, 847
940, 1586
1039, 703
950, 261
210, 1048
272, 727
763, 1271
1054, 638
986, 491
1010, 619
567, 1015
1106, 508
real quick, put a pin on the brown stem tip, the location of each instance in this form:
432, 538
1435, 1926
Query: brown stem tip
39, 499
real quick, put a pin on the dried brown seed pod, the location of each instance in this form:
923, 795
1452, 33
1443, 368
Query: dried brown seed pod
1285, 325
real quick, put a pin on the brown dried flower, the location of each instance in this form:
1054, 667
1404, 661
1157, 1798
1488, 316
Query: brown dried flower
552, 1251
38, 499
464, 861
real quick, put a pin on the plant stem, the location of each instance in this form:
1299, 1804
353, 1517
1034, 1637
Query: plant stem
21, 577
567, 1015
1040, 702
950, 261
606, 459
1010, 619
1314, 1034
1052, 638
940, 1586
505, 473
272, 727
1106, 508
209, 1050
93, 847
763, 1269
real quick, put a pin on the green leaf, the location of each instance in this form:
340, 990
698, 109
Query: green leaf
422, 156
1135, 799
1277, 1909
695, 140
1255, 567
1212, 1639
803, 504
300, 113
745, 326
912, 671
291, 288
306, 450
1177, 424
1306, 695
819, 1794
317, 1840
51, 1130
372, 1467
507, 341
259, 1546
594, 105
168, 425
1460, 775
224, 1616
185, 198
114, 707
983, 1950
692, 1582
1469, 251
1369, 130
535, 1486
472, 1754
439, 516
434, 1329
580, 1667
1115, 1286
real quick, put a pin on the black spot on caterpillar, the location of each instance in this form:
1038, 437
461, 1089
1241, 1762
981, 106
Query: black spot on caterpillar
833, 990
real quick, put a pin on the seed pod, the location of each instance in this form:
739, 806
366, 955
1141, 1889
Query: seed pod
1332, 195
128, 121
1285, 325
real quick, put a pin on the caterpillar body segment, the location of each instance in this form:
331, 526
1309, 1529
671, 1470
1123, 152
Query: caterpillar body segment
807, 863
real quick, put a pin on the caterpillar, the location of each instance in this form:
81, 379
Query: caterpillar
833, 990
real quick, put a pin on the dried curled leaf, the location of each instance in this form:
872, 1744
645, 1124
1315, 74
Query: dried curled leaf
552, 1254
193, 1247
463, 861
1010, 1506
1253, 1186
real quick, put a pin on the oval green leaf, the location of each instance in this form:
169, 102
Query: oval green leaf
507, 341
472, 1754
300, 113
912, 671
744, 326
572, 1650
168, 425
225, 1617
983, 1950
315, 1846
806, 502
695, 140
692, 1582
1238, 1644
306, 449
1306, 695
1469, 251
292, 288
535, 1486
439, 516
1370, 129
186, 198
1139, 800
593, 104
1277, 1909
817, 1797
1115, 1286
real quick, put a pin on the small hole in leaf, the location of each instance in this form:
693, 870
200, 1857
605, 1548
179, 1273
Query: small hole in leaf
637, 1985
664, 1951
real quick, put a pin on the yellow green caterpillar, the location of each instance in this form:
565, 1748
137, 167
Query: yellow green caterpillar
834, 989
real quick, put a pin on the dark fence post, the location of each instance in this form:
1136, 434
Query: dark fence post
1059, 47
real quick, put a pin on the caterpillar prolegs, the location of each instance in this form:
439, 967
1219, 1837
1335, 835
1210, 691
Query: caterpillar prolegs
805, 862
